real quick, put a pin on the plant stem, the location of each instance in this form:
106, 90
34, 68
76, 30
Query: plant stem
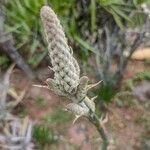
94, 119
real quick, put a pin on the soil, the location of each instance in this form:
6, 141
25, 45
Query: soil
127, 126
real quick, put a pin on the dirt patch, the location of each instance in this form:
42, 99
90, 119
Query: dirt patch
123, 130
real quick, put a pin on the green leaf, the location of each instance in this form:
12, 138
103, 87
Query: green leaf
121, 13
35, 60
85, 45
140, 2
109, 2
116, 18
137, 19
93, 15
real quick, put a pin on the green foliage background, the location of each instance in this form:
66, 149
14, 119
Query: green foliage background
24, 22
81, 19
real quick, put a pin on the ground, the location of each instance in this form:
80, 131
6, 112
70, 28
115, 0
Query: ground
128, 119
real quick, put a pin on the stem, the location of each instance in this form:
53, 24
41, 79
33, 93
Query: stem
122, 66
95, 121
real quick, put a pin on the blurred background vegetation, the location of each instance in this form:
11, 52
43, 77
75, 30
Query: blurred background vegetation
94, 27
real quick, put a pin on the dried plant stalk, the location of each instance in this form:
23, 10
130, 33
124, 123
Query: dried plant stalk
17, 135
6, 106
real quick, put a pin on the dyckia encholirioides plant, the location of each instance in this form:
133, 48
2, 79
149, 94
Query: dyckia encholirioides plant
67, 81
